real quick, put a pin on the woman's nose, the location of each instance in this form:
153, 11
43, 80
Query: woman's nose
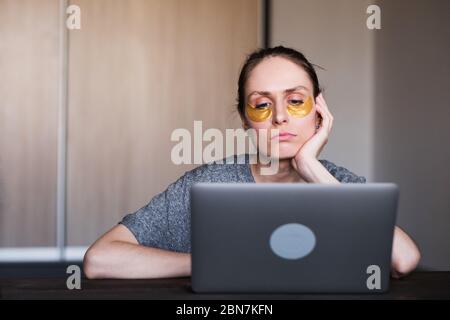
280, 115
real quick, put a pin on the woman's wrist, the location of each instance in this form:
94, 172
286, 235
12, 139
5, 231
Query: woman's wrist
186, 265
312, 171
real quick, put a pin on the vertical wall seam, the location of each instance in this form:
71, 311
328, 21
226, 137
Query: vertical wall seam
61, 212
267, 23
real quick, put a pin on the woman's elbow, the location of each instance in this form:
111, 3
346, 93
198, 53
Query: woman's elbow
407, 263
93, 262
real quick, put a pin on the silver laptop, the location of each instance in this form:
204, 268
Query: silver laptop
292, 238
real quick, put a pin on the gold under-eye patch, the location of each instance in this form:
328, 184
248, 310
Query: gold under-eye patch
301, 110
258, 114
262, 114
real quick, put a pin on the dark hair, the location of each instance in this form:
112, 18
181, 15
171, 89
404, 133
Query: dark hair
259, 55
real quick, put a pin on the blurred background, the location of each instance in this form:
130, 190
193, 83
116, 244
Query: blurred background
86, 115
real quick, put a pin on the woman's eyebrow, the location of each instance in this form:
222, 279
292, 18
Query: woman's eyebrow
295, 89
268, 93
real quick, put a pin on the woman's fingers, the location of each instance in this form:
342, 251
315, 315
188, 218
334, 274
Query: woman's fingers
325, 112
325, 117
324, 106
327, 109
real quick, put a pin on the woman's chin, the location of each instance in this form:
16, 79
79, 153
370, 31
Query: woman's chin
287, 151
285, 154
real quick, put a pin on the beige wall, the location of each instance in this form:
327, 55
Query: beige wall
388, 90
333, 34
411, 119
29, 80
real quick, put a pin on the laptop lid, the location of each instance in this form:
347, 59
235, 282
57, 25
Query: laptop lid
292, 237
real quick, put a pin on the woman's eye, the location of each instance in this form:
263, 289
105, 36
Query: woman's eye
295, 102
262, 105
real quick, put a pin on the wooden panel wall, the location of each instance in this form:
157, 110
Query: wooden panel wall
138, 70
29, 62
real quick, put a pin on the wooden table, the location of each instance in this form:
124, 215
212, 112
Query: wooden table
419, 285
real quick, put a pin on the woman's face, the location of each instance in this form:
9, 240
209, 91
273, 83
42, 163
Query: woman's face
279, 95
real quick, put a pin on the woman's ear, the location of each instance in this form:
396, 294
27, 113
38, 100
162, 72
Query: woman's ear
318, 121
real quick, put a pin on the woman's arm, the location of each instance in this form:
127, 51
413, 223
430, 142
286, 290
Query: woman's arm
117, 254
405, 254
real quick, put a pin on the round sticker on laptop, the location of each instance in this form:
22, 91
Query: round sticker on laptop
292, 241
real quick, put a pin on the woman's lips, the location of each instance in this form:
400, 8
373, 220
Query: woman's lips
283, 136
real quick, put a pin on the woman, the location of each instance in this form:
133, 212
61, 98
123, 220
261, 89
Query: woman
278, 89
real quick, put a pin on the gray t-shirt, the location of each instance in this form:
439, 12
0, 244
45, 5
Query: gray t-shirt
165, 221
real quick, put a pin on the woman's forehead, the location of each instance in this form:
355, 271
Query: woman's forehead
277, 74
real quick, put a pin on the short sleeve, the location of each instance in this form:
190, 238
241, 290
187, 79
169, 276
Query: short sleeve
165, 221
342, 174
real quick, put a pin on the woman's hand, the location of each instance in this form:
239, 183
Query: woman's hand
313, 147
306, 161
